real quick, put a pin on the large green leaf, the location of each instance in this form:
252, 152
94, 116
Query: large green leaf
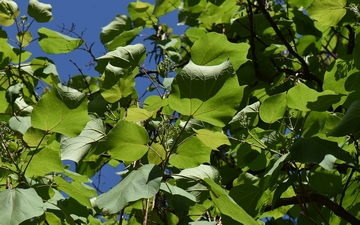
18, 205
163, 7
142, 183
61, 111
41, 12
118, 25
207, 52
247, 196
126, 141
118, 83
77, 148
316, 150
197, 91
119, 32
350, 123
76, 189
303, 98
227, 205
327, 12
45, 161
212, 139
9, 10
179, 199
128, 57
273, 108
53, 42
191, 153
141, 14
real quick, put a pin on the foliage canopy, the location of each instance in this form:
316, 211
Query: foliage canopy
252, 116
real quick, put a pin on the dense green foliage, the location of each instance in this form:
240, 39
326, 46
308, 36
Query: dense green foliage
252, 116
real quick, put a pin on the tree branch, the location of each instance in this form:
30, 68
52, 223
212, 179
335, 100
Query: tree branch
337, 209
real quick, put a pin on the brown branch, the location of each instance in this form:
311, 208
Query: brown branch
303, 63
337, 209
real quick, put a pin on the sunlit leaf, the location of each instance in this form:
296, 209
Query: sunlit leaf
197, 90
60, 111
273, 108
41, 12
18, 205
128, 57
141, 14
191, 153
212, 139
9, 10
141, 183
126, 141
118, 83
163, 7
327, 12
52, 42
24, 38
46, 160
207, 52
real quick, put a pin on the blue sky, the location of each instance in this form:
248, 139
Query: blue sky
89, 16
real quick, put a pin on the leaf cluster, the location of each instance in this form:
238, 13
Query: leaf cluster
251, 116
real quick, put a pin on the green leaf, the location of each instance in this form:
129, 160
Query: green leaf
247, 117
45, 161
125, 38
9, 10
303, 98
77, 148
163, 7
350, 123
190, 180
273, 108
141, 14
60, 111
142, 183
24, 38
118, 83
191, 153
325, 182
178, 198
212, 139
197, 90
126, 141
41, 12
128, 57
327, 12
156, 154
77, 190
207, 52
18, 205
247, 196
316, 150
195, 33
118, 25
138, 114
319, 123
227, 205
299, 3
52, 42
